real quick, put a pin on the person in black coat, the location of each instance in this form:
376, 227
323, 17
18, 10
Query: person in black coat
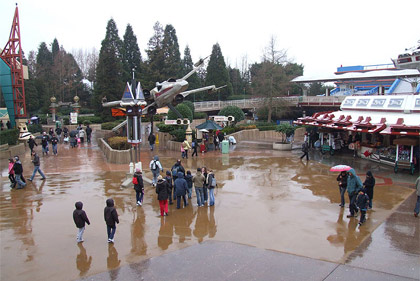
342, 186
368, 185
31, 143
111, 218
305, 150
163, 191
18, 169
80, 219
139, 187
181, 188
362, 202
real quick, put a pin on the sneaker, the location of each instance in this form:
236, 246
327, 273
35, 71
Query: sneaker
350, 216
112, 240
360, 224
109, 240
43, 178
139, 203
341, 205
166, 214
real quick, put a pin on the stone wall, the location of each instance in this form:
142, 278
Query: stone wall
112, 155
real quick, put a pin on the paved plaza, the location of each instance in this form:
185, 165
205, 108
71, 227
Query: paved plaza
275, 218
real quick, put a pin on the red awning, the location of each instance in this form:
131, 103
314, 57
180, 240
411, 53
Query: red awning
401, 129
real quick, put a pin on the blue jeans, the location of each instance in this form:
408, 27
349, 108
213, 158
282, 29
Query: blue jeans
189, 192
353, 207
155, 175
417, 208
152, 146
54, 146
178, 201
211, 196
111, 231
200, 196
20, 183
37, 169
342, 192
139, 196
45, 149
205, 196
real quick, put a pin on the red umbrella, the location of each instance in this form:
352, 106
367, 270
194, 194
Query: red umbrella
340, 168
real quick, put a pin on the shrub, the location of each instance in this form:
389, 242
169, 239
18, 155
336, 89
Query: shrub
286, 130
228, 130
9, 136
90, 119
245, 127
109, 125
234, 111
200, 115
35, 128
267, 128
66, 121
165, 128
190, 105
178, 134
118, 143
183, 109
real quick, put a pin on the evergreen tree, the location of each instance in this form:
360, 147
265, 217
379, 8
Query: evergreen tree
156, 57
109, 70
131, 55
218, 75
44, 75
55, 48
172, 61
193, 81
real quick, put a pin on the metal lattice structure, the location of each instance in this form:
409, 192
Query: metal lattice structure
12, 56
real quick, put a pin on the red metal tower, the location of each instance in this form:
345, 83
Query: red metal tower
12, 55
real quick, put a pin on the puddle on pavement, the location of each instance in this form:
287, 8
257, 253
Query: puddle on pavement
269, 200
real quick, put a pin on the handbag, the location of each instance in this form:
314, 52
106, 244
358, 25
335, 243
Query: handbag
213, 181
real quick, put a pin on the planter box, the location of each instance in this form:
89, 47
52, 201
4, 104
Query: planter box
112, 155
282, 146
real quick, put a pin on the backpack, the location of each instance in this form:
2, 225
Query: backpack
154, 166
304, 145
213, 181
135, 180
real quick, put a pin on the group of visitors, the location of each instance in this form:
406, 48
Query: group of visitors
177, 184
8, 125
360, 194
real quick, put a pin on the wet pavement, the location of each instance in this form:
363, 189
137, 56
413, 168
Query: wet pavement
271, 210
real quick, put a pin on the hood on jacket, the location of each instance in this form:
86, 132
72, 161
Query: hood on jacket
180, 175
353, 172
369, 173
156, 158
110, 202
78, 205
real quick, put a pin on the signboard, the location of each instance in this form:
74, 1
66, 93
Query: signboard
378, 103
417, 103
170, 122
349, 102
73, 117
362, 102
395, 103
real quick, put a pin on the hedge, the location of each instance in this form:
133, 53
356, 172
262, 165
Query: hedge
9, 136
165, 128
35, 128
118, 143
110, 125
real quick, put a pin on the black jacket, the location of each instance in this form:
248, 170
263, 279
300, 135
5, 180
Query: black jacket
32, 143
342, 180
17, 167
162, 189
369, 182
79, 216
362, 201
36, 160
140, 185
180, 185
110, 213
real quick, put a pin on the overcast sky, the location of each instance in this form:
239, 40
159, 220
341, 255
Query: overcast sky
321, 35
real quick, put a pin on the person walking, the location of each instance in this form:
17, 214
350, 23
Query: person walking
31, 143
362, 202
198, 181
44, 143
138, 186
81, 135
54, 143
37, 166
12, 173
156, 167
51, 132
80, 219
354, 185
186, 146
305, 150
188, 178
177, 167
181, 187
211, 179
163, 192
111, 219
342, 186
152, 140
417, 207
194, 146
88, 133
58, 132
18, 169
168, 179
369, 184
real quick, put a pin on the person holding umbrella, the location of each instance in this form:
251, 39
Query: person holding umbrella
342, 186
354, 185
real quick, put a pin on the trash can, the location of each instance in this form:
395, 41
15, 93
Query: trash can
225, 146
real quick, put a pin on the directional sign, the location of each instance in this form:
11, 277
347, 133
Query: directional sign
170, 122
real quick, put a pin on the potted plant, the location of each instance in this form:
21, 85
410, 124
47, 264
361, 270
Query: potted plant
286, 130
